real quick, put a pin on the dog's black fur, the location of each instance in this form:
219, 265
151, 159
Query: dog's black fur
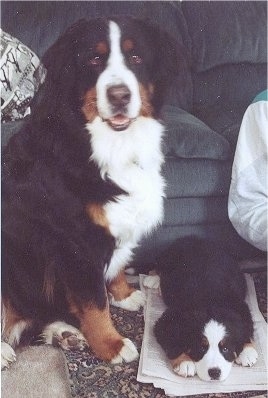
48, 178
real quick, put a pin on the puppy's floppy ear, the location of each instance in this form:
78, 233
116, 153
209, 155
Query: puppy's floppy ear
59, 61
167, 331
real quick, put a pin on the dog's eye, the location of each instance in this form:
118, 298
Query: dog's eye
95, 61
135, 59
225, 350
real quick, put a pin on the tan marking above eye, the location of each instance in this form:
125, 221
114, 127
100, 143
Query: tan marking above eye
102, 48
222, 343
128, 45
204, 342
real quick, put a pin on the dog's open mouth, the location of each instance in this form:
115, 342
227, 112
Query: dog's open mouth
119, 122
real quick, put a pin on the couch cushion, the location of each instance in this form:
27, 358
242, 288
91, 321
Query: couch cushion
196, 177
189, 137
226, 32
209, 210
230, 86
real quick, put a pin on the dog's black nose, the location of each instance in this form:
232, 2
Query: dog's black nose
119, 95
214, 373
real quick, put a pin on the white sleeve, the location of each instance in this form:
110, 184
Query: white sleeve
247, 205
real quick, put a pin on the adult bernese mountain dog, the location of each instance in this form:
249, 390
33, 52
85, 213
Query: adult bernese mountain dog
207, 325
82, 184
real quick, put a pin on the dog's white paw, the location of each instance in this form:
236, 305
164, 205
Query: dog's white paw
152, 281
248, 357
185, 369
60, 334
127, 353
133, 302
7, 355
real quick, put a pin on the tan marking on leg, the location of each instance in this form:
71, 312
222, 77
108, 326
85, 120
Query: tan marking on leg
9, 317
13, 324
181, 358
97, 327
97, 214
89, 108
119, 287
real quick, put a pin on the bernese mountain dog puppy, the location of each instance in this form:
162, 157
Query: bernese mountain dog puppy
82, 184
207, 324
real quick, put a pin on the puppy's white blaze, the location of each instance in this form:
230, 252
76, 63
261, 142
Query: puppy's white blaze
214, 332
117, 73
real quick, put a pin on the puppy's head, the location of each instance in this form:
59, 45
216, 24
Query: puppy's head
116, 69
220, 336
211, 342
213, 352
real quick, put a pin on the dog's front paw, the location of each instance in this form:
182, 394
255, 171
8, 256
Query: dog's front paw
133, 302
60, 334
128, 352
152, 281
185, 369
248, 357
7, 355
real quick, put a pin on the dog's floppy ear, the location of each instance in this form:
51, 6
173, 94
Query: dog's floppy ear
59, 60
172, 68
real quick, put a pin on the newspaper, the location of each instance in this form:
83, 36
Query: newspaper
154, 366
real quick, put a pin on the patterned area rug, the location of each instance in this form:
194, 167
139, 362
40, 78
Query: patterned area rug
92, 378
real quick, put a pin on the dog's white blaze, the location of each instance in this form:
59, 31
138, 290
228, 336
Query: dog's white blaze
117, 73
214, 332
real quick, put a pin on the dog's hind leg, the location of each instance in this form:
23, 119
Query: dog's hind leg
13, 325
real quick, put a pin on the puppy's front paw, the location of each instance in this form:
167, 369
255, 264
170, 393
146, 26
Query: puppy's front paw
185, 369
248, 357
7, 355
133, 302
60, 334
128, 352
152, 281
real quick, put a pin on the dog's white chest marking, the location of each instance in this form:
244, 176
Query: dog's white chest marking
132, 159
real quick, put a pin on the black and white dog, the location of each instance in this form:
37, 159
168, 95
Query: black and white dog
207, 325
82, 184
